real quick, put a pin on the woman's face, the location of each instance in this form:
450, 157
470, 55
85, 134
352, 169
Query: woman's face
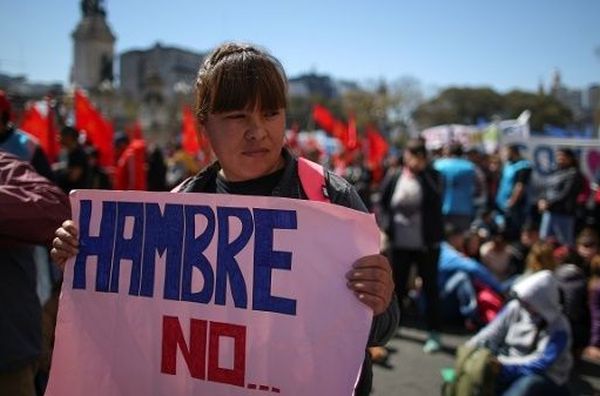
247, 143
414, 162
587, 250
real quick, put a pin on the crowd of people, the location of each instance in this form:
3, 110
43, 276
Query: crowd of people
480, 230
482, 235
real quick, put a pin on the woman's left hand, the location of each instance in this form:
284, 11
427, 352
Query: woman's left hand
371, 281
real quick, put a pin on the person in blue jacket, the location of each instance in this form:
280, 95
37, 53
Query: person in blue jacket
512, 197
459, 187
457, 274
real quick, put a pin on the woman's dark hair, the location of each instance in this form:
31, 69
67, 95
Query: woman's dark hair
239, 76
416, 147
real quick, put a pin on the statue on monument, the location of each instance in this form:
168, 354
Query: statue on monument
92, 8
106, 69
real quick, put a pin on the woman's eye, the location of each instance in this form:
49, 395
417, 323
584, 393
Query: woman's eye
271, 114
235, 116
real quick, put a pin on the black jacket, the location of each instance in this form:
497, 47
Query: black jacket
340, 193
562, 189
431, 183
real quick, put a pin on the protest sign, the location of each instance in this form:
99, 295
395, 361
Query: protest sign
206, 294
542, 153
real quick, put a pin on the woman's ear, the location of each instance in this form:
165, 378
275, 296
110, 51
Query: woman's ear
202, 133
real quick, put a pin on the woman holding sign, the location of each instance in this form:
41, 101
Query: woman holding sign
241, 103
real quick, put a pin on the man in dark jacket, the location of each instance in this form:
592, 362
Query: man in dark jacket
559, 199
31, 208
412, 208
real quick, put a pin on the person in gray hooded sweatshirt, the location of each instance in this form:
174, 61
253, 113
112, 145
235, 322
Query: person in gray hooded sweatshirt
531, 340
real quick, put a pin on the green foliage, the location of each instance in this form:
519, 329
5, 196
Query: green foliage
467, 105
544, 109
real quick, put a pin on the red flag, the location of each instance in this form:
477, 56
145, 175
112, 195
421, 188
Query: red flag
134, 131
377, 150
351, 136
34, 123
189, 132
324, 118
42, 128
130, 172
98, 130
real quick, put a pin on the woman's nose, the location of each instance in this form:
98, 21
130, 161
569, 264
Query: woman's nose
256, 129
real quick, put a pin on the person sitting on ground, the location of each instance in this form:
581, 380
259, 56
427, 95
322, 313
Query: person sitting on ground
495, 254
540, 257
457, 272
587, 245
531, 339
520, 249
592, 351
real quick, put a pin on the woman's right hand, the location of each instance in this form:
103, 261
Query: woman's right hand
65, 244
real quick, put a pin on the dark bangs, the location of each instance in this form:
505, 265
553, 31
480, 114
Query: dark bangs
246, 80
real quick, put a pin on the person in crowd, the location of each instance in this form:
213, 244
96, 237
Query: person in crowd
587, 245
180, 166
357, 174
74, 172
31, 208
157, 170
459, 187
558, 202
98, 179
592, 351
480, 195
540, 257
520, 249
19, 143
457, 275
512, 197
130, 171
493, 171
573, 284
485, 225
241, 110
411, 209
531, 340
495, 254
472, 244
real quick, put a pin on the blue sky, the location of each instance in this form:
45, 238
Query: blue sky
502, 44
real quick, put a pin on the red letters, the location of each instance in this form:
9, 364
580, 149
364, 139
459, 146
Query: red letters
195, 352
233, 376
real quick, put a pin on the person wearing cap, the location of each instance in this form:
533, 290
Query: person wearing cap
19, 143
559, 199
531, 340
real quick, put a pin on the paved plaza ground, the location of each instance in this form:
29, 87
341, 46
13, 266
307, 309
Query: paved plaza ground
410, 372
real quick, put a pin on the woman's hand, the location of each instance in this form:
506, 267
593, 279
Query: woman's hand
371, 281
65, 244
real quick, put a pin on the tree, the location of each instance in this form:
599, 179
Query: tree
459, 106
469, 105
545, 110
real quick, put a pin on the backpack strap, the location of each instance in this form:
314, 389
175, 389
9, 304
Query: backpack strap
312, 178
